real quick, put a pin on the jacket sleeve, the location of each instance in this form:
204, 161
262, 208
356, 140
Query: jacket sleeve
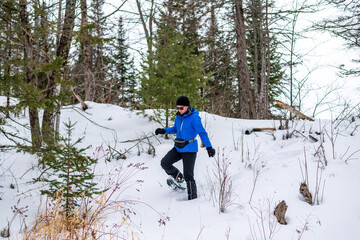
199, 128
171, 130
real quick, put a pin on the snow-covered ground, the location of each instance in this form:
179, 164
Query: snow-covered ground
264, 169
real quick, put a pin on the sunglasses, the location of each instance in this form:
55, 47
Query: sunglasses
180, 108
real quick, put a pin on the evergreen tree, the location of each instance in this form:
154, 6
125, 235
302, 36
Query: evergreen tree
123, 71
43, 65
266, 73
191, 13
83, 72
175, 70
9, 67
69, 171
276, 76
100, 61
90, 70
219, 64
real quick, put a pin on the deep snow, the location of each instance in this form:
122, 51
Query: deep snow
276, 160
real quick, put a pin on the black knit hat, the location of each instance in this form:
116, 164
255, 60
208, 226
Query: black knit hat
183, 101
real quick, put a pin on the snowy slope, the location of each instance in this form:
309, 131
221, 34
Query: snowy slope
273, 162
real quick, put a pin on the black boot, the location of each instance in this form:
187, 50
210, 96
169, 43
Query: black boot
191, 189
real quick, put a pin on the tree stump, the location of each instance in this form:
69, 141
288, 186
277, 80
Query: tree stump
304, 190
280, 211
5, 233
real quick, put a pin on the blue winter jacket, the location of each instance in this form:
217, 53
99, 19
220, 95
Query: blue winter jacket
188, 127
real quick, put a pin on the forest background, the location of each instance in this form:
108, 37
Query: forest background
232, 58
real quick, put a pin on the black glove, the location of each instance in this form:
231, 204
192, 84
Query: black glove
159, 131
211, 151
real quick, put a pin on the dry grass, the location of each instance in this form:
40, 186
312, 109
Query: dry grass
91, 218
86, 222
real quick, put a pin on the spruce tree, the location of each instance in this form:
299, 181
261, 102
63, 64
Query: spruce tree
123, 70
191, 13
9, 67
69, 169
276, 75
175, 71
220, 65
99, 38
264, 61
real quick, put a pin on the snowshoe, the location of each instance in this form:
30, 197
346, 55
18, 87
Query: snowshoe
176, 184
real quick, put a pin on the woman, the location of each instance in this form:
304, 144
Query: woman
187, 126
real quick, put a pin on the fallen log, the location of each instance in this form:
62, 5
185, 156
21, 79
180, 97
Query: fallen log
293, 111
247, 132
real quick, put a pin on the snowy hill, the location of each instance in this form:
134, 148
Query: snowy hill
264, 169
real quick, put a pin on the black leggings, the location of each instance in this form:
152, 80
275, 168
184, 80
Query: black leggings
174, 156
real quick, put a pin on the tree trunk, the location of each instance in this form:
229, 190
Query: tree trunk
263, 83
292, 52
45, 83
58, 87
259, 53
89, 80
48, 123
246, 102
268, 56
254, 12
98, 78
62, 52
30, 77
67, 30
7, 67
